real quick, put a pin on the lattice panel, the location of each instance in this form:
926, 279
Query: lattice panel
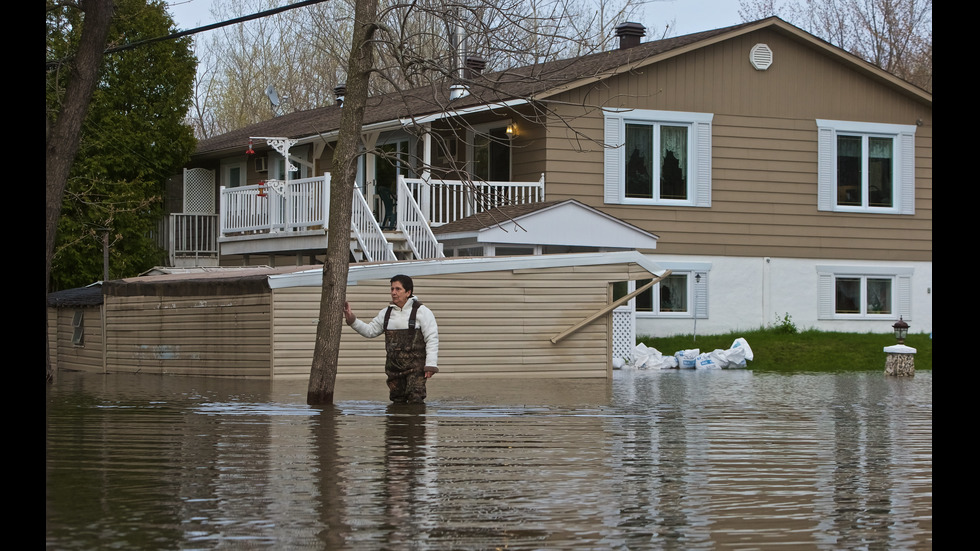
199, 191
624, 334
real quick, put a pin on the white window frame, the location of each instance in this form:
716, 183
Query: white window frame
903, 169
697, 292
616, 156
901, 291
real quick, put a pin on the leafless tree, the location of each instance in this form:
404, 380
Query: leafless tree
303, 52
895, 35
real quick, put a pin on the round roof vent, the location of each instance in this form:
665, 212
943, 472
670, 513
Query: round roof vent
760, 56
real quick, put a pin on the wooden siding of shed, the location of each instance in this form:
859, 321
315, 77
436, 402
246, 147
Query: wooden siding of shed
64, 354
225, 336
490, 324
764, 153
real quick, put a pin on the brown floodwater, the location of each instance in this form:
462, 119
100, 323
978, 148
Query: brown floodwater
689, 459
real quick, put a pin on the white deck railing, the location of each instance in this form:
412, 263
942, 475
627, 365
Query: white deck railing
276, 206
279, 207
445, 201
191, 235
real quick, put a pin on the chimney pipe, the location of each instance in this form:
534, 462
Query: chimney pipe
629, 34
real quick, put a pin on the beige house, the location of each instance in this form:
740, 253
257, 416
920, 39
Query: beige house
529, 316
778, 176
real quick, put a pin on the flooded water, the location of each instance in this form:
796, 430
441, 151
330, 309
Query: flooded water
655, 460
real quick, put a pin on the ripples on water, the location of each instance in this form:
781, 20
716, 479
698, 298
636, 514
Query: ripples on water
650, 460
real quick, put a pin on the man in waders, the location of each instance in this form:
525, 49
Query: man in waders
411, 341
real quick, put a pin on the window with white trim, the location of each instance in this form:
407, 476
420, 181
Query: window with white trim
865, 167
657, 158
874, 293
682, 294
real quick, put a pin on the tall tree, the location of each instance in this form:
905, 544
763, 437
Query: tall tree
133, 139
66, 109
335, 268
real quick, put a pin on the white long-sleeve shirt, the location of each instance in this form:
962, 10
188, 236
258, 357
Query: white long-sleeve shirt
424, 320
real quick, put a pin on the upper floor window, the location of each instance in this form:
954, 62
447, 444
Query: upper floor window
866, 167
490, 154
232, 173
658, 158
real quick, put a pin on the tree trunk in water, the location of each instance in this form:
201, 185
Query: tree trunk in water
63, 136
323, 372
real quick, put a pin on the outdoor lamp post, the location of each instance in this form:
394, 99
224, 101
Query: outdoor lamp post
901, 330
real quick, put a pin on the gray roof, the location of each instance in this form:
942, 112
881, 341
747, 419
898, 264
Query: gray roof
518, 83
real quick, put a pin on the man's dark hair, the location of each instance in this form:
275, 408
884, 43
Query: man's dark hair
406, 282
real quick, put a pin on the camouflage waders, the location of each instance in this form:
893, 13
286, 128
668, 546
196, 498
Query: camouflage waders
405, 363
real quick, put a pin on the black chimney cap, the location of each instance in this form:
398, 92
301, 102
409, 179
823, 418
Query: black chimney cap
629, 34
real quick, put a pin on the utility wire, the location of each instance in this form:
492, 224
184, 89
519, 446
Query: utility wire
273, 11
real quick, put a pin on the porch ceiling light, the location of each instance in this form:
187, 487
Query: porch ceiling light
901, 330
512, 130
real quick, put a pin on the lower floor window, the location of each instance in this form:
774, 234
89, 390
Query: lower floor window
856, 292
863, 295
675, 295
670, 295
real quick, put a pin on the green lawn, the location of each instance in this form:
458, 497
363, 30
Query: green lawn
784, 349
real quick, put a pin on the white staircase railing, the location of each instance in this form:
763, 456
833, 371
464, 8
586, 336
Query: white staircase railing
366, 233
412, 222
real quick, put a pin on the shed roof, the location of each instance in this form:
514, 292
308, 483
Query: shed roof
90, 295
462, 265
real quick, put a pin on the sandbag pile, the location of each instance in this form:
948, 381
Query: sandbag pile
735, 357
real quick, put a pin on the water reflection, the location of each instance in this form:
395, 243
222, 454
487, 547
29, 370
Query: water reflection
649, 460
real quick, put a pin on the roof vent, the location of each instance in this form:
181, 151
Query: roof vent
629, 34
339, 92
474, 66
760, 56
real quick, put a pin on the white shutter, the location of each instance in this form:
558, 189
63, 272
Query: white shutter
702, 160
613, 158
825, 296
906, 173
825, 169
701, 297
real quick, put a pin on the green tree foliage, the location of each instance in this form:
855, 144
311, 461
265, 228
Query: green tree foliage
133, 140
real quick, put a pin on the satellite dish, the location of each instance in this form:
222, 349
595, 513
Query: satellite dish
270, 92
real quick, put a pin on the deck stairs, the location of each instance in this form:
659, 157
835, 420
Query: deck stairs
397, 241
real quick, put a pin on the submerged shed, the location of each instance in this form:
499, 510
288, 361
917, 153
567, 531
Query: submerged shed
528, 316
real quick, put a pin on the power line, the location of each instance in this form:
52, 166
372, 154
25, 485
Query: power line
273, 11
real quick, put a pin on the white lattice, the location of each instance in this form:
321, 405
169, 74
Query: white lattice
198, 191
624, 333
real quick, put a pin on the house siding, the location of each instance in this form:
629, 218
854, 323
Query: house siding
206, 334
66, 355
764, 152
497, 323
